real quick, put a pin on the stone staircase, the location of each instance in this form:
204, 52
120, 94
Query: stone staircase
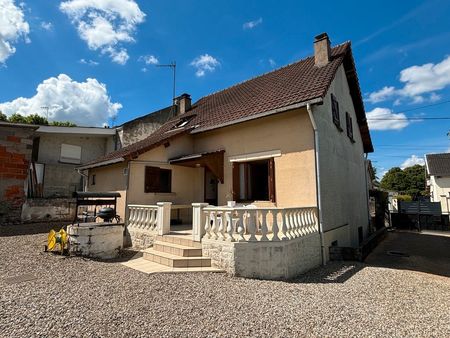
177, 252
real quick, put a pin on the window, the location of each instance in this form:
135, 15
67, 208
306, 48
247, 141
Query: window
335, 111
182, 122
254, 181
93, 179
158, 180
70, 154
349, 121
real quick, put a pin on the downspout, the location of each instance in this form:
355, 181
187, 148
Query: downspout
85, 182
317, 169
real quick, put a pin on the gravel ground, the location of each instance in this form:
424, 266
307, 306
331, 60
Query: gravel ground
75, 297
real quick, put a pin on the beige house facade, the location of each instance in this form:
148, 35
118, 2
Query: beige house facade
438, 169
285, 171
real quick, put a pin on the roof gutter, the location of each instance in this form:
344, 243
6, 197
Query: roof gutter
101, 164
318, 100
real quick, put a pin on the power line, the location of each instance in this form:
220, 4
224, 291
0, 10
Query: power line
413, 118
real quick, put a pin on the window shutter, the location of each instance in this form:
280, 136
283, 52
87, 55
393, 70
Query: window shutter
272, 180
151, 179
236, 184
335, 110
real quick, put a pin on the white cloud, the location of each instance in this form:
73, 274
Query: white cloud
88, 62
204, 63
413, 160
149, 59
84, 103
381, 95
105, 24
252, 24
12, 27
48, 26
419, 84
272, 63
385, 119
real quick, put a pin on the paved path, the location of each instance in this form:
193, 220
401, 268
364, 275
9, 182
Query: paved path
426, 252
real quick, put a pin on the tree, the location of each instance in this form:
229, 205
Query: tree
17, 118
63, 124
3, 117
409, 181
37, 119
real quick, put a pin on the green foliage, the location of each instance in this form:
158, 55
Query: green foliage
63, 124
404, 198
34, 119
409, 181
37, 119
17, 118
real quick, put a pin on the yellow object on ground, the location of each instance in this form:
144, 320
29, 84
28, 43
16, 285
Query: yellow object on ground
57, 240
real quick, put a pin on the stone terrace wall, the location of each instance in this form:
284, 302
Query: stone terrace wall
278, 260
16, 143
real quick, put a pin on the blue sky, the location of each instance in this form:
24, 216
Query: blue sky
92, 61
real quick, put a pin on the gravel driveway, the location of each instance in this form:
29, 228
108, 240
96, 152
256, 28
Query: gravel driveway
74, 297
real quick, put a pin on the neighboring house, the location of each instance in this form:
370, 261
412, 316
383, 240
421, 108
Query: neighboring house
16, 142
287, 143
139, 128
56, 153
438, 168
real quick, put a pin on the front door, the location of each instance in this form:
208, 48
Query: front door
211, 183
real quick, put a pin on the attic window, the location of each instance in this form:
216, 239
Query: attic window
335, 111
183, 121
349, 121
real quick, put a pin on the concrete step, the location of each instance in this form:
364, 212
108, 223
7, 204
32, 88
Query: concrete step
180, 240
148, 267
175, 261
176, 249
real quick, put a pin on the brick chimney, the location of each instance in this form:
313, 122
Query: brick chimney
183, 103
322, 50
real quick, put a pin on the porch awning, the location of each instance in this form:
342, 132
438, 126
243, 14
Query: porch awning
211, 160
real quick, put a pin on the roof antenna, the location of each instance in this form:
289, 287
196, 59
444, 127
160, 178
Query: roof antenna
172, 65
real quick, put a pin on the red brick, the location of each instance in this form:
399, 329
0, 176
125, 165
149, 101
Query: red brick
13, 139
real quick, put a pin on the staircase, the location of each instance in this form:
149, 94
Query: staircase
177, 252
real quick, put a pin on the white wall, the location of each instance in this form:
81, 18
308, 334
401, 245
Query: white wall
342, 169
440, 186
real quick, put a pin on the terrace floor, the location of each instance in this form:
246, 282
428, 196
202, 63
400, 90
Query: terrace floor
42, 294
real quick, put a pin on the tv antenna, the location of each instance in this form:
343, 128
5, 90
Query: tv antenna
172, 65
46, 108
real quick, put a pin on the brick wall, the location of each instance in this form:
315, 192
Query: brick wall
16, 144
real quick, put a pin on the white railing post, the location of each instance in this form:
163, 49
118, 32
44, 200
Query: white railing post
198, 221
163, 215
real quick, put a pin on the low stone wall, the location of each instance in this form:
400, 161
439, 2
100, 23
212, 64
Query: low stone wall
48, 209
139, 239
266, 260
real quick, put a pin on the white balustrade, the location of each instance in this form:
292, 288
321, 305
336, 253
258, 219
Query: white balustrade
143, 217
249, 224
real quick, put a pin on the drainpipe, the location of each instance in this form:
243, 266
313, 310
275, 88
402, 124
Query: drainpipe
317, 169
367, 188
86, 178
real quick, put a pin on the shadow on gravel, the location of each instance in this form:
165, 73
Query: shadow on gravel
413, 251
30, 228
333, 272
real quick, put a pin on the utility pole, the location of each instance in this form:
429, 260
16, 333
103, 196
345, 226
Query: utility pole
173, 66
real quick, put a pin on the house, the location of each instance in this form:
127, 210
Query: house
438, 169
270, 172
58, 150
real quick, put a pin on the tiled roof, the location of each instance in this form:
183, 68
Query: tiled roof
438, 164
296, 83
